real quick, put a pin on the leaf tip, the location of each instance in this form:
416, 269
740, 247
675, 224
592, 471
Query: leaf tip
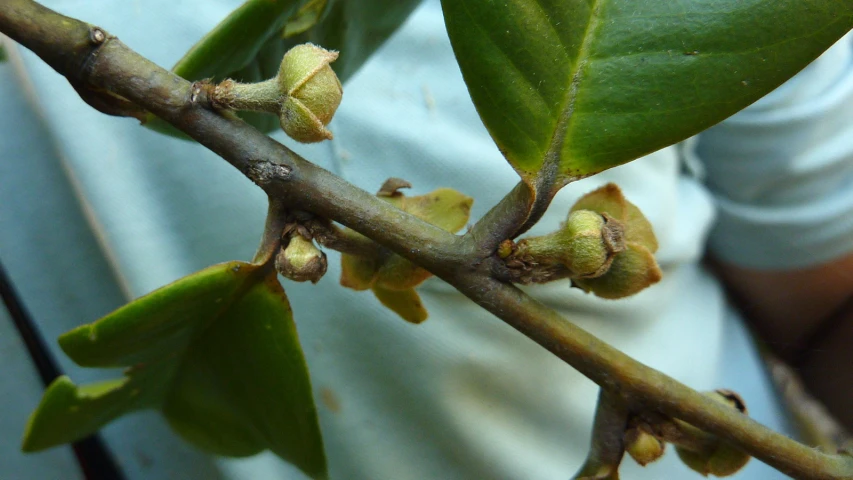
36, 438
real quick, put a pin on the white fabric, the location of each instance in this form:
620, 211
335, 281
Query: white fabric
782, 171
96, 210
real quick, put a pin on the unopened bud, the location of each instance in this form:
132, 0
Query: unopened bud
630, 272
312, 92
505, 249
724, 461
707, 454
586, 255
606, 246
301, 261
305, 94
629, 235
642, 446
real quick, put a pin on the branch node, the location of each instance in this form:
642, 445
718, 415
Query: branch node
264, 172
97, 36
198, 91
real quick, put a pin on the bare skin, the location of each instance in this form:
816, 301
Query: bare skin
806, 317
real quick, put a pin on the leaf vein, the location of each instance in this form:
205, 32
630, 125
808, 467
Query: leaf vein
552, 155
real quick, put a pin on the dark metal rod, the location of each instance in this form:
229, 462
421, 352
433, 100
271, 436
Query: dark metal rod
94, 458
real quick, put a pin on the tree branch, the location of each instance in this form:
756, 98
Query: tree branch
72, 49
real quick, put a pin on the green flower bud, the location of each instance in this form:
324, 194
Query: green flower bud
630, 272
305, 94
726, 460
630, 236
301, 260
312, 92
642, 446
505, 249
579, 245
585, 253
706, 453
606, 247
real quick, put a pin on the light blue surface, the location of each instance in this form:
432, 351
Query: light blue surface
96, 210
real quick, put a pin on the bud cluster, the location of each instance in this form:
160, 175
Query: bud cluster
606, 246
301, 261
704, 453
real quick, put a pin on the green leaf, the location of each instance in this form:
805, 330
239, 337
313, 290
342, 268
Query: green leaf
68, 413
356, 29
248, 45
305, 18
238, 40
568, 88
245, 46
217, 352
2, 54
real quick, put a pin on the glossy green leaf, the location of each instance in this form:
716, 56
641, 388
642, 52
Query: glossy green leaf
568, 88
217, 352
237, 40
158, 324
356, 29
248, 45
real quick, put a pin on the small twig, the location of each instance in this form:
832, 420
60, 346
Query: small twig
344, 241
518, 267
814, 422
607, 447
277, 213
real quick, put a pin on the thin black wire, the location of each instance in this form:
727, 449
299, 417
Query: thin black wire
94, 458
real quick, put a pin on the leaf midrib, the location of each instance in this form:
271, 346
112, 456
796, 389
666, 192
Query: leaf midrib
552, 155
